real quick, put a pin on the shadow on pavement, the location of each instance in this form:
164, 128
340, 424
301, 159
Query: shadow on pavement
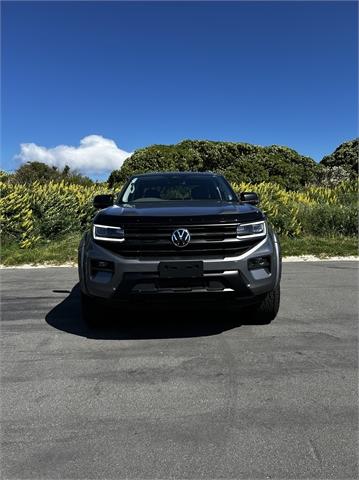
180, 319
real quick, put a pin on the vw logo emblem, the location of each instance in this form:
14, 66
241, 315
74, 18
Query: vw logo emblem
181, 237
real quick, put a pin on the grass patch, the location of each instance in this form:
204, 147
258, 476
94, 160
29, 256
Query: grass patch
65, 249
319, 246
55, 251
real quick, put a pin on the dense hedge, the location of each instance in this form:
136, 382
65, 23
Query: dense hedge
38, 212
250, 163
345, 156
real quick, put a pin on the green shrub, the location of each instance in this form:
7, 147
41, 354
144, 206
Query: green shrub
329, 220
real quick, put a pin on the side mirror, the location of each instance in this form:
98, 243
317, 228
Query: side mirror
249, 197
103, 201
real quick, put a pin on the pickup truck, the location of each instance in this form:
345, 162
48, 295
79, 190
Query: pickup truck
185, 233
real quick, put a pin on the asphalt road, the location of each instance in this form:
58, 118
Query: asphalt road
185, 392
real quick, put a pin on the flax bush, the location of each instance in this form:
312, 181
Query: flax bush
30, 213
46, 211
314, 210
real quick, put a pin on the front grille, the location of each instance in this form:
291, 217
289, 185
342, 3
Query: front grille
154, 240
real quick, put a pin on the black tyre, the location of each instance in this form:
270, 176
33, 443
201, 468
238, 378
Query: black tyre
90, 311
266, 310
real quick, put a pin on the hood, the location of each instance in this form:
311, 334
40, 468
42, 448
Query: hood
181, 211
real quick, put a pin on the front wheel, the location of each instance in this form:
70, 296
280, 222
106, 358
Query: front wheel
266, 310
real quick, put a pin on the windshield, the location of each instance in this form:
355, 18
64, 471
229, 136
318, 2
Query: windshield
177, 187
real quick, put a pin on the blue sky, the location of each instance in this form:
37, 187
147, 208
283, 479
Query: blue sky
139, 73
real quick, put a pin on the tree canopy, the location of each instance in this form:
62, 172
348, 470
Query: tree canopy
38, 171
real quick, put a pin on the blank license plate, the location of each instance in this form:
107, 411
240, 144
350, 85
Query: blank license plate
180, 269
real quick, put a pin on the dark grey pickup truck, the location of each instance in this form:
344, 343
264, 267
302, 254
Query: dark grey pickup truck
180, 234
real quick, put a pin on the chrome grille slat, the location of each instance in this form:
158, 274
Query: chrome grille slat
150, 236
167, 242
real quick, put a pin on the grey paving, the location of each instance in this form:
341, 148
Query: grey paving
179, 391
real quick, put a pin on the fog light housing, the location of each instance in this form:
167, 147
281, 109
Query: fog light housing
259, 262
102, 266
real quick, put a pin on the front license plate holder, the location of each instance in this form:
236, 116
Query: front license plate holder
180, 269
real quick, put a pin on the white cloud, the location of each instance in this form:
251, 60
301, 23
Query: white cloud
95, 154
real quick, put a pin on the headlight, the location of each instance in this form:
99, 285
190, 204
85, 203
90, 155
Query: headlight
110, 234
250, 230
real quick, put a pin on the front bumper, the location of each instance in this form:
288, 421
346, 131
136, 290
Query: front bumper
133, 276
